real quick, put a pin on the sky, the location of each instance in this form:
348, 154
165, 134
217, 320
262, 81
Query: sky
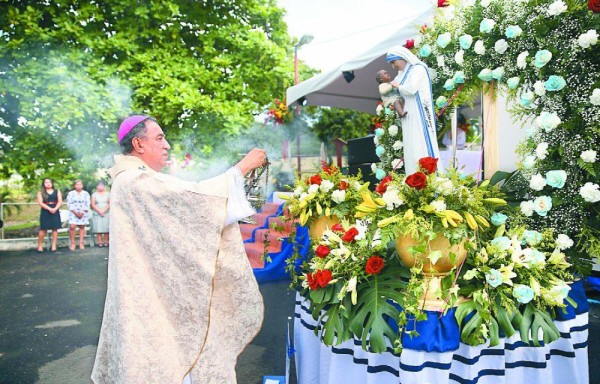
343, 29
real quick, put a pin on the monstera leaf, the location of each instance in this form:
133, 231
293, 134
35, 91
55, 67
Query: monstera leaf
530, 323
376, 304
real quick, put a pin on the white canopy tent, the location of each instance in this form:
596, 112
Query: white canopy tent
352, 84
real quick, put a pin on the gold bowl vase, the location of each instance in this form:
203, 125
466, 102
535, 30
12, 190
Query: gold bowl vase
317, 226
432, 273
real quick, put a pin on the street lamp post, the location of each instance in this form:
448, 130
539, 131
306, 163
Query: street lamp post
305, 39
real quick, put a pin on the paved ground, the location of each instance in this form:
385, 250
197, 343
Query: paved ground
51, 309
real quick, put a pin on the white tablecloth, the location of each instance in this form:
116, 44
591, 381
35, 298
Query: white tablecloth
563, 361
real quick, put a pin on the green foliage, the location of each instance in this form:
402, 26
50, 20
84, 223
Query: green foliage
73, 70
340, 123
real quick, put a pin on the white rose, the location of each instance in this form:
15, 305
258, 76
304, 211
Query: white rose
338, 196
590, 192
326, 185
485, 3
537, 182
397, 163
314, 188
557, 8
522, 60
479, 47
588, 39
392, 199
501, 46
373, 167
595, 98
376, 140
542, 150
397, 145
303, 196
539, 88
529, 162
379, 109
588, 156
298, 191
459, 57
393, 130
563, 242
441, 62
527, 207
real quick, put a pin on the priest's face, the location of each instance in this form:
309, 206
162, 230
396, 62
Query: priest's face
155, 147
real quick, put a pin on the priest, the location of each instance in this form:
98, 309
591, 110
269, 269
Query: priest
182, 302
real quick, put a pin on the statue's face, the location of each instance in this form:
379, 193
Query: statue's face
399, 64
385, 76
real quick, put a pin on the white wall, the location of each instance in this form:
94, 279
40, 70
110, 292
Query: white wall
510, 134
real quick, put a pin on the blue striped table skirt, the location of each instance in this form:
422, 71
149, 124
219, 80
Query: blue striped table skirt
511, 362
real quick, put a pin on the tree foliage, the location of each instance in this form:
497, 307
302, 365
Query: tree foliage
341, 123
72, 70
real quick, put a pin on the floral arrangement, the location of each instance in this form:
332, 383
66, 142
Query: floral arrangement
279, 113
542, 54
388, 143
326, 193
427, 203
352, 284
515, 282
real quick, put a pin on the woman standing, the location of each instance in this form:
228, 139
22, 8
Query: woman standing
50, 200
419, 132
78, 202
101, 219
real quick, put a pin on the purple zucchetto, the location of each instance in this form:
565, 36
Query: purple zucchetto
128, 124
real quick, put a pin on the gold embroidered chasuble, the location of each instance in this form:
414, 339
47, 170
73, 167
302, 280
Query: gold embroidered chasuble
181, 296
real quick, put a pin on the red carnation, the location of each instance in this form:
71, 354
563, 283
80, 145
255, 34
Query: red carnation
323, 277
322, 251
316, 179
330, 170
374, 265
428, 164
442, 3
337, 228
383, 184
343, 185
594, 5
417, 180
410, 44
350, 235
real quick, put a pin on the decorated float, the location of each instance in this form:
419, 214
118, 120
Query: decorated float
434, 276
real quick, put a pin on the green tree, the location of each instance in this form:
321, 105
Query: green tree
72, 70
332, 123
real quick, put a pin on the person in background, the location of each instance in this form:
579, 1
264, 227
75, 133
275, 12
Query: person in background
100, 219
78, 202
50, 200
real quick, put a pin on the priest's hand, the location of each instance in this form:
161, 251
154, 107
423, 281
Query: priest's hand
255, 158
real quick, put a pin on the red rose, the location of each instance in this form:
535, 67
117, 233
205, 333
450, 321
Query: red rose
343, 185
428, 164
316, 179
330, 170
337, 228
417, 180
322, 251
383, 184
594, 5
312, 281
323, 278
374, 265
350, 235
442, 3
410, 44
